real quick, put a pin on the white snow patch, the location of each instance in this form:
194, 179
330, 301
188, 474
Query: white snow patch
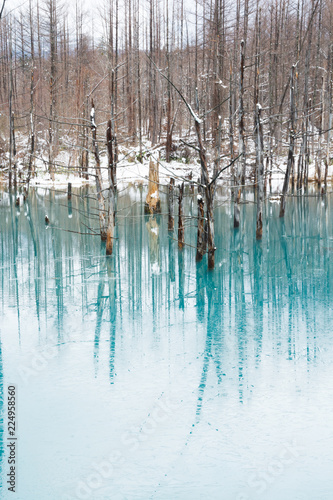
155, 268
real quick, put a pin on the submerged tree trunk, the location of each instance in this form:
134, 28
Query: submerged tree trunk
171, 220
201, 239
110, 228
181, 229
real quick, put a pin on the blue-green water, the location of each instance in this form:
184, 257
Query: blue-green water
143, 376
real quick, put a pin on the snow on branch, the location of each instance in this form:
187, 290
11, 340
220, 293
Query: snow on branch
92, 115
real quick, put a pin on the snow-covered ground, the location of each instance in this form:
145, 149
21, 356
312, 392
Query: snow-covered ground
131, 170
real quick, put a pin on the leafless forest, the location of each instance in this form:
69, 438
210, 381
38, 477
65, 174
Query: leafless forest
244, 86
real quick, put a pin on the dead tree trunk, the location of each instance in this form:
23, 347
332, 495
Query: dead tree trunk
241, 113
321, 128
100, 197
231, 127
328, 141
113, 131
169, 126
292, 134
53, 79
209, 193
85, 155
260, 171
111, 212
307, 146
10, 108
110, 228
171, 220
241, 166
300, 164
201, 239
169, 130
181, 229
218, 150
13, 149
329, 108
32, 91
109, 143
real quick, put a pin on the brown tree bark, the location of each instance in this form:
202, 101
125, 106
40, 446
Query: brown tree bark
98, 173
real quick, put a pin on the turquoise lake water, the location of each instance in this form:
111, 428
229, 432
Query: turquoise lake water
144, 376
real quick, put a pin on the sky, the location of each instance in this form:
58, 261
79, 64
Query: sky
93, 13
92, 19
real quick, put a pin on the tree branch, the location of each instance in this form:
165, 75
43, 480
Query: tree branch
224, 168
193, 114
3, 6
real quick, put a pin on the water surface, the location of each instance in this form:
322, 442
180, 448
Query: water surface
143, 376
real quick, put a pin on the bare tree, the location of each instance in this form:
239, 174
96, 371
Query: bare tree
2, 7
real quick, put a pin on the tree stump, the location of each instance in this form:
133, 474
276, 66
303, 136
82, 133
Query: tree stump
153, 202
